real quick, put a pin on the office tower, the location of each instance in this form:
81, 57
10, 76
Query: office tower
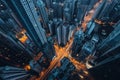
104, 11
28, 16
48, 3
13, 31
62, 34
106, 71
43, 14
98, 10
65, 31
44, 61
11, 53
108, 64
79, 11
106, 45
90, 28
48, 50
95, 38
60, 10
56, 23
16, 34
82, 8
37, 24
66, 14
51, 27
69, 6
87, 49
55, 9
35, 66
107, 58
77, 42
106, 8
38, 64
17, 30
13, 73
108, 48
51, 14
59, 34
114, 14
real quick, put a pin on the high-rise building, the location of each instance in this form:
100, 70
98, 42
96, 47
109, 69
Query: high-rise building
79, 12
13, 73
49, 51
114, 14
63, 34
60, 10
65, 31
90, 27
59, 34
12, 53
106, 45
12, 30
51, 27
40, 6
51, 14
106, 8
108, 49
87, 49
48, 3
66, 14
77, 43
55, 9
27, 14
69, 6
82, 8
107, 70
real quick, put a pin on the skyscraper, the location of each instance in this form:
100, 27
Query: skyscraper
106, 8
87, 49
28, 15
65, 31
63, 34
67, 14
69, 6
90, 27
108, 70
106, 45
108, 49
12, 30
48, 3
77, 43
43, 14
59, 34
13, 73
13, 52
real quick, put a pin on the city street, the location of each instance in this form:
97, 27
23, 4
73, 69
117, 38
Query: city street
61, 52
